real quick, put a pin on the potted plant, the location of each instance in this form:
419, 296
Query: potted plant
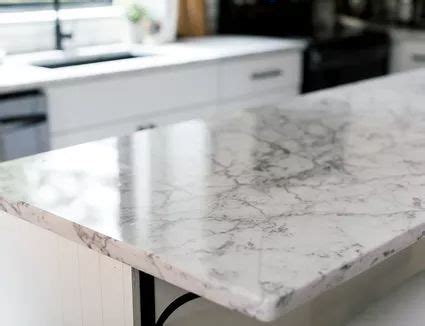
151, 22
136, 16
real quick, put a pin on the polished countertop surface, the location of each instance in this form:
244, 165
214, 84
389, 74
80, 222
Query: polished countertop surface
259, 210
17, 73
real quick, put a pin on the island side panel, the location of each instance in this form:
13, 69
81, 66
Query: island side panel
31, 292
29, 275
48, 280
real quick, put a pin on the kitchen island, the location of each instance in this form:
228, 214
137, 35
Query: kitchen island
260, 210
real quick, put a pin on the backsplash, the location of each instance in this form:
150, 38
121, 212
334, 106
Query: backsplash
15, 38
19, 37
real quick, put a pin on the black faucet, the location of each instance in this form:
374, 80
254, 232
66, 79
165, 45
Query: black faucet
59, 35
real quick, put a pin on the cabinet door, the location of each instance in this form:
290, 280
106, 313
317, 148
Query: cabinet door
78, 105
128, 127
407, 55
267, 98
91, 134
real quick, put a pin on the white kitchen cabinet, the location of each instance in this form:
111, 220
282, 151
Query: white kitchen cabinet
130, 126
88, 104
260, 100
99, 132
407, 54
260, 74
84, 111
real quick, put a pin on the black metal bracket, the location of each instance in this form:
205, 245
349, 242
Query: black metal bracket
173, 306
147, 302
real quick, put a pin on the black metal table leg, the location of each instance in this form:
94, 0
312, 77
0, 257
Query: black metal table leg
147, 302
147, 299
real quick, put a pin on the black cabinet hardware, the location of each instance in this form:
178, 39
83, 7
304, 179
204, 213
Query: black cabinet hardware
145, 127
267, 74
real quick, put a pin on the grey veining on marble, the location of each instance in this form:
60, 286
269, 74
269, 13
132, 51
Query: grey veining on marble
257, 210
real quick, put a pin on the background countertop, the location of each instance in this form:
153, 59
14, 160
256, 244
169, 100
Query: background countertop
17, 74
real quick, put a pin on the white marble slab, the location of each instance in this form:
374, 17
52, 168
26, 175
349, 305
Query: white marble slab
258, 210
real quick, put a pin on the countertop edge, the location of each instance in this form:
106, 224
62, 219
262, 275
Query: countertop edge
263, 309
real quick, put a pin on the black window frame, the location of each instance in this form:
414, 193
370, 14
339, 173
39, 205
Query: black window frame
16, 7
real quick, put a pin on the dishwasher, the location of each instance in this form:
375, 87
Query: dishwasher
23, 125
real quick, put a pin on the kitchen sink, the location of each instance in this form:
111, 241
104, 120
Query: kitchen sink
79, 60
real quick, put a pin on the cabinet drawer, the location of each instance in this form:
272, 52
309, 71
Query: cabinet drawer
258, 74
93, 103
60, 140
256, 102
91, 134
100, 132
408, 55
415, 54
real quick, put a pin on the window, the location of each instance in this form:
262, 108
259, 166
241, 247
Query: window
16, 5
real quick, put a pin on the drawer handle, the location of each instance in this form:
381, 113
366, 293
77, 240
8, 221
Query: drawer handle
267, 74
419, 58
145, 127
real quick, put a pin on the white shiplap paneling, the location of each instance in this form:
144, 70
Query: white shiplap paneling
48, 280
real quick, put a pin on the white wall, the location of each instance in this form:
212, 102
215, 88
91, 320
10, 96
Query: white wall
35, 31
18, 35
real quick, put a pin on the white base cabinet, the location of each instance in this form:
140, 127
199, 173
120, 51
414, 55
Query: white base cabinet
85, 104
61, 140
122, 104
408, 50
260, 74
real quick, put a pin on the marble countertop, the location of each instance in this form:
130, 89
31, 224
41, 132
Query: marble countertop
17, 74
260, 210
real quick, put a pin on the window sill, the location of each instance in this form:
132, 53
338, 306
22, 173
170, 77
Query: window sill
45, 16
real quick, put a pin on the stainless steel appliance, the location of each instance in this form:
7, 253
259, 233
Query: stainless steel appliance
23, 125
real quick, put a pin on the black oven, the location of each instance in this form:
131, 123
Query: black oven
335, 54
344, 60
266, 17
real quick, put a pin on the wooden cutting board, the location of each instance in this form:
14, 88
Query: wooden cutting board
192, 18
